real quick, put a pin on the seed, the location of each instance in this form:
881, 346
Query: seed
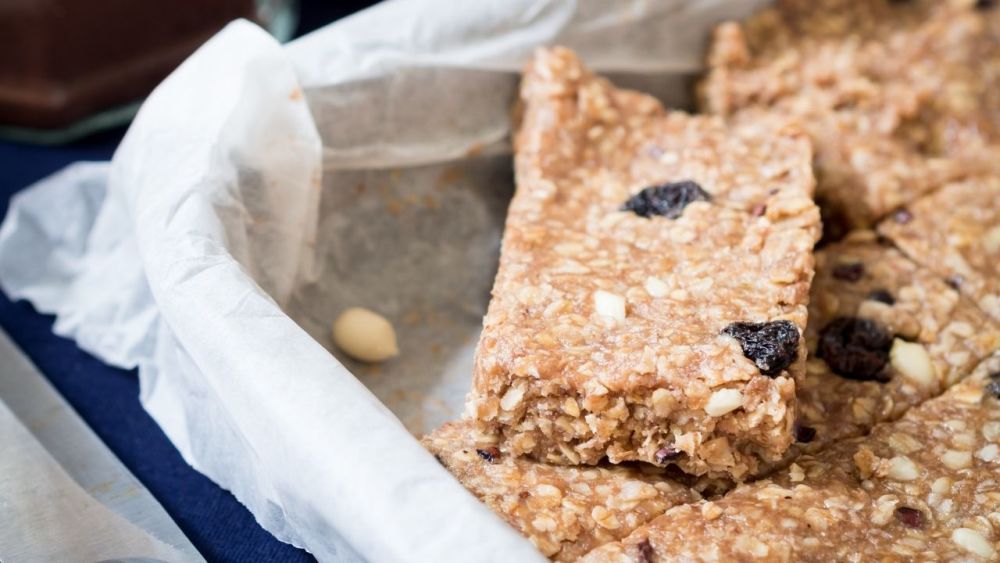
365, 335
724, 401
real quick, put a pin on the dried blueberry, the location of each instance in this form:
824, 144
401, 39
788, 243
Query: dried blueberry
855, 348
667, 200
772, 346
646, 553
910, 517
851, 272
993, 387
882, 296
666, 454
491, 454
804, 434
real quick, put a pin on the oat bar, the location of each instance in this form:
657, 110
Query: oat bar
652, 284
955, 232
884, 335
565, 511
926, 487
898, 96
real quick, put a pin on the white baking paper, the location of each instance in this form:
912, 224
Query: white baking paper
263, 189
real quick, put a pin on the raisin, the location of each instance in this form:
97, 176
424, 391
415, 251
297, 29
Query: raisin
666, 454
772, 346
804, 434
491, 454
993, 387
910, 517
902, 216
646, 552
667, 200
849, 272
855, 348
985, 4
882, 296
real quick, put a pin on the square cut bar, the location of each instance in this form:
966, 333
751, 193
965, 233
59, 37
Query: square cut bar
607, 332
884, 335
955, 232
899, 97
565, 511
923, 488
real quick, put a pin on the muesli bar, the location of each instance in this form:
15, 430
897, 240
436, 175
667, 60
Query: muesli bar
899, 97
955, 232
884, 335
652, 286
926, 487
565, 511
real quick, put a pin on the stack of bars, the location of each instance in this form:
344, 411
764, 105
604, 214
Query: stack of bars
672, 369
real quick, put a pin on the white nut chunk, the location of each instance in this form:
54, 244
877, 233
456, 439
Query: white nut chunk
912, 360
973, 542
609, 305
724, 401
365, 335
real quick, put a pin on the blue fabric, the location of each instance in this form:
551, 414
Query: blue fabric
108, 398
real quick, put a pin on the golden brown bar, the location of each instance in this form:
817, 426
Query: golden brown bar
884, 335
652, 285
898, 96
926, 487
565, 511
955, 232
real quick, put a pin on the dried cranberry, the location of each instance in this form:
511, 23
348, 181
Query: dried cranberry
902, 216
882, 296
772, 346
849, 272
855, 348
758, 210
910, 517
666, 454
804, 434
645, 551
491, 454
667, 200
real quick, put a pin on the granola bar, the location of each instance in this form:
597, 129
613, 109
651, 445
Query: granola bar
884, 335
955, 232
652, 285
898, 96
565, 511
922, 488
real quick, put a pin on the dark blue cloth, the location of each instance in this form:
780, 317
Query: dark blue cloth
108, 398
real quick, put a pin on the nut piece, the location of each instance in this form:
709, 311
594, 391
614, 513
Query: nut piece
609, 305
911, 360
973, 542
655, 287
364, 335
902, 468
724, 401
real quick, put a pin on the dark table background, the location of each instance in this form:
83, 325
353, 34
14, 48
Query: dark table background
108, 398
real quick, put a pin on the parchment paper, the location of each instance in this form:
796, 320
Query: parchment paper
262, 189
